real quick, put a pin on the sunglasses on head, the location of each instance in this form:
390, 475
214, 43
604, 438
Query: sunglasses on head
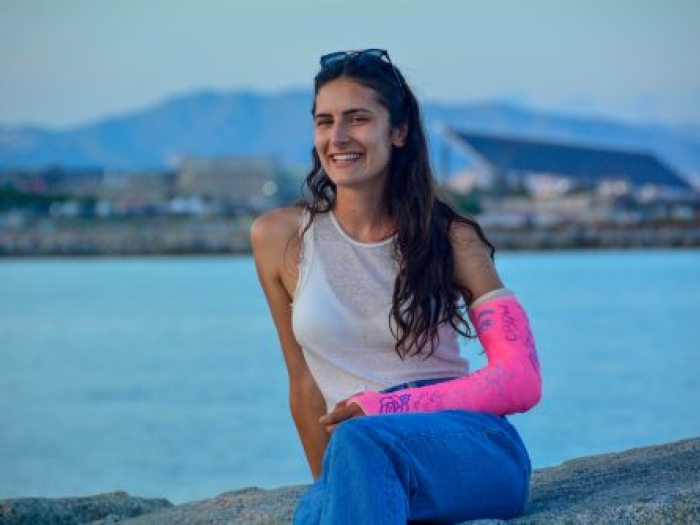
362, 57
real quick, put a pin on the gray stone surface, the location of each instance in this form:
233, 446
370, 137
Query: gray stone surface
653, 485
248, 506
115, 506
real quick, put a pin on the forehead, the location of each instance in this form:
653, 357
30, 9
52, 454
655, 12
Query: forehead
345, 94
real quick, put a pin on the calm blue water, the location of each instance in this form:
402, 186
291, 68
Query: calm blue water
162, 377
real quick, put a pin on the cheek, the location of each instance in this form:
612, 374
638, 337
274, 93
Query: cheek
319, 147
382, 146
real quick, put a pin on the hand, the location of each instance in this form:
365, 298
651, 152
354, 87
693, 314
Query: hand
342, 412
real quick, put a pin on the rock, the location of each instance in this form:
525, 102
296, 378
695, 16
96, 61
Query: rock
251, 506
115, 506
654, 485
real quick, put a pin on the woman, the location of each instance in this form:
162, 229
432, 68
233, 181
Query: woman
369, 282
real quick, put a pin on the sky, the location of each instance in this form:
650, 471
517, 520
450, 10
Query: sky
65, 63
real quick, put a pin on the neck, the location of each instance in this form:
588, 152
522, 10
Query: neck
362, 216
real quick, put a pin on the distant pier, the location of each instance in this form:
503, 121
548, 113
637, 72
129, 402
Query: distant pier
144, 236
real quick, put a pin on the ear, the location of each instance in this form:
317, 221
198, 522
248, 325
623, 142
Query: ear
399, 134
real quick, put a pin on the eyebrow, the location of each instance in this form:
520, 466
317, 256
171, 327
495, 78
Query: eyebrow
346, 113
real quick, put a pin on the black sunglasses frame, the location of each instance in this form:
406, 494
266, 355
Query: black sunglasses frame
338, 57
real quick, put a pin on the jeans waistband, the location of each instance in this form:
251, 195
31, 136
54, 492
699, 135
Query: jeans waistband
416, 384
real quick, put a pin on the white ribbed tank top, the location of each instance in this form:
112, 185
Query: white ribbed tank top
341, 314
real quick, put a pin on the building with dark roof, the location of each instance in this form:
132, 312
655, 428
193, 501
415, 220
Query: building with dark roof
537, 182
511, 160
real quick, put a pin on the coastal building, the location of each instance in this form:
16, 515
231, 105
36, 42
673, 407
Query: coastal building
242, 184
548, 182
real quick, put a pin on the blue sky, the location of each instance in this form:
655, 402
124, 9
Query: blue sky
70, 62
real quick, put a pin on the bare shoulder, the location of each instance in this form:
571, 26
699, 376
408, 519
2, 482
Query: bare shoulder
475, 271
275, 242
274, 226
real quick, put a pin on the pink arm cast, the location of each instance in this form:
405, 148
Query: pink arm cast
509, 383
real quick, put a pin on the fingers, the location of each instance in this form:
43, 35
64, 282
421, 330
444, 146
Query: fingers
342, 412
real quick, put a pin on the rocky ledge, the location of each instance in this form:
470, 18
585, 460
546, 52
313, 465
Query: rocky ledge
652, 485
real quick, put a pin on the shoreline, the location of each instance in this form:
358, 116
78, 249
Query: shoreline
228, 236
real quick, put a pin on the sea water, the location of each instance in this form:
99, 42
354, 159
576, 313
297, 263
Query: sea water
163, 376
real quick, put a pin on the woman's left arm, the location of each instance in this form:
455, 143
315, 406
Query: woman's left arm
511, 380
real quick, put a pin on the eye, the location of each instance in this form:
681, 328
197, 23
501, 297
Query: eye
358, 119
323, 122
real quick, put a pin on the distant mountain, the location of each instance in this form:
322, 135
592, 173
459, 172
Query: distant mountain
248, 123
200, 124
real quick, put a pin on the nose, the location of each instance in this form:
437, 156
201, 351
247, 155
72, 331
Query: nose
339, 133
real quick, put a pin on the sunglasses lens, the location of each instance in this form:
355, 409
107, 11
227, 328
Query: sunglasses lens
332, 59
374, 53
370, 56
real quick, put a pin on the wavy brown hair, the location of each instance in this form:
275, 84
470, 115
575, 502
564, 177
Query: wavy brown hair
425, 295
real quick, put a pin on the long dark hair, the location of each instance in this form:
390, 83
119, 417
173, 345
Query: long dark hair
424, 295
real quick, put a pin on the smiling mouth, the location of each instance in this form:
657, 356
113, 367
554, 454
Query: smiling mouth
345, 157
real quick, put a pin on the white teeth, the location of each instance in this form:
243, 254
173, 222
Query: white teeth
346, 156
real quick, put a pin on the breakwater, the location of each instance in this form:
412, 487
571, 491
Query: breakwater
220, 235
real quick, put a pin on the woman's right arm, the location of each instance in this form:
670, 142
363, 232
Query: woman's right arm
276, 248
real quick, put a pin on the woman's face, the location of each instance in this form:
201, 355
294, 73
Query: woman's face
353, 135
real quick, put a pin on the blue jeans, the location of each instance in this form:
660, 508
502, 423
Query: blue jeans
442, 467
